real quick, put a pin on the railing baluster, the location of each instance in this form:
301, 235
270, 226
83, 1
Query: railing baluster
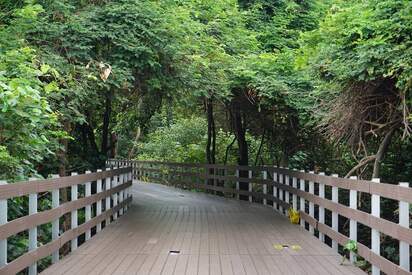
99, 202
275, 190
311, 204
88, 212
74, 219
265, 187
281, 193
302, 200
107, 187
129, 177
404, 248
224, 171
294, 197
33, 231
237, 184
375, 234
287, 182
250, 186
55, 223
3, 220
215, 173
121, 193
335, 215
321, 208
115, 195
353, 225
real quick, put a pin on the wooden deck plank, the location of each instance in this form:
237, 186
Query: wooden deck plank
214, 263
210, 234
181, 264
170, 264
124, 265
226, 265
192, 265
136, 264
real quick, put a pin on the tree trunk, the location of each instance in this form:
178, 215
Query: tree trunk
243, 158
106, 122
227, 151
211, 138
383, 147
169, 113
211, 133
136, 138
260, 147
113, 145
91, 136
62, 154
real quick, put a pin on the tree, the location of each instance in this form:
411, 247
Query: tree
360, 56
28, 126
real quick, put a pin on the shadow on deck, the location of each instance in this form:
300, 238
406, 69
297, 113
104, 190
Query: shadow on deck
208, 234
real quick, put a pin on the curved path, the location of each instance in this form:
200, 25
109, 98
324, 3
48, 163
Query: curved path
170, 231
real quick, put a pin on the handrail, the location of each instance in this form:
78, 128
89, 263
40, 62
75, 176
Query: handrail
390, 191
287, 189
112, 187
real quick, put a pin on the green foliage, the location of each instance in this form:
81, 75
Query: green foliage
350, 246
359, 42
183, 141
364, 40
27, 123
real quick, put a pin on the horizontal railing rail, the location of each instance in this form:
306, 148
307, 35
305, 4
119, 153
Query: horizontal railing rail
325, 203
104, 196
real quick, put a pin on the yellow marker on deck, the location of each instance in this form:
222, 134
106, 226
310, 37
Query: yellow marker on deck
296, 247
278, 246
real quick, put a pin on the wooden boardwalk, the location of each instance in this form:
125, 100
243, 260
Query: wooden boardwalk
209, 234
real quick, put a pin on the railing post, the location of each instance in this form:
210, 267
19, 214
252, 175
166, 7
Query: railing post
237, 184
294, 196
287, 182
250, 185
311, 204
375, 234
302, 200
404, 249
33, 231
74, 220
215, 173
99, 202
55, 223
129, 177
88, 212
321, 208
335, 215
107, 187
224, 172
122, 178
3, 220
353, 225
281, 192
265, 187
275, 189
115, 196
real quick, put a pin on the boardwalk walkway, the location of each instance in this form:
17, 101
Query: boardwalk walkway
209, 234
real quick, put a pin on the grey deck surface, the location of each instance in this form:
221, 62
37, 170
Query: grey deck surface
214, 236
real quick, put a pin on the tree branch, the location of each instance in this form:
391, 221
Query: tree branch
361, 163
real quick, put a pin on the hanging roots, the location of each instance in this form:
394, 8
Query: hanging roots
365, 109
